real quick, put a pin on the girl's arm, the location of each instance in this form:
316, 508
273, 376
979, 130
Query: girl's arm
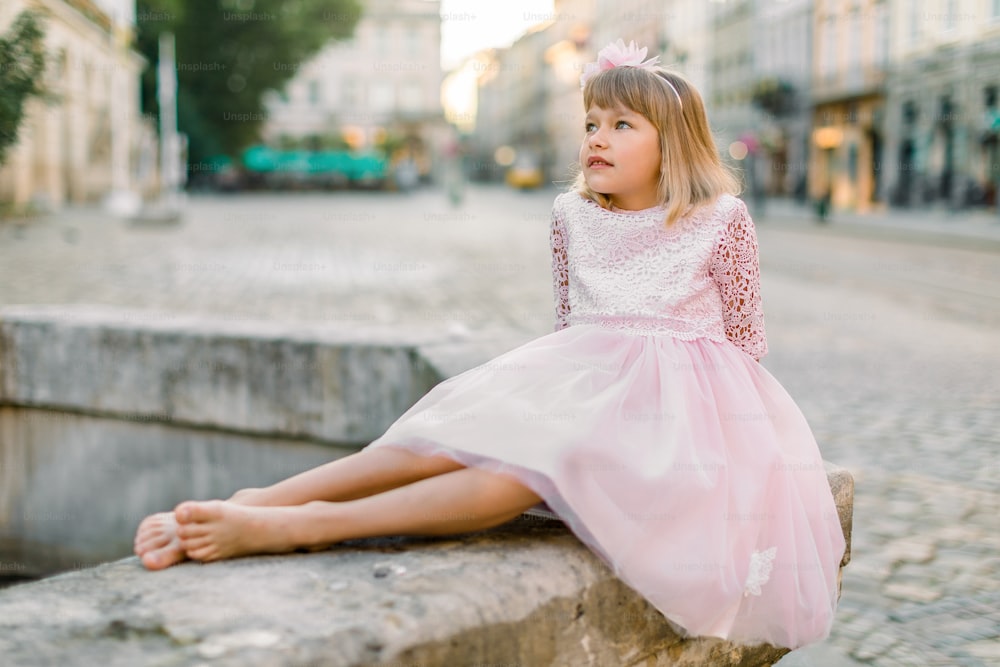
560, 269
736, 269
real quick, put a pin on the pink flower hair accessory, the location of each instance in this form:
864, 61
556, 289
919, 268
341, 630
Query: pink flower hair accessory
617, 54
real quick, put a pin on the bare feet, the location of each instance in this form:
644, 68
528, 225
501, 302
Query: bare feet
157, 535
156, 542
217, 529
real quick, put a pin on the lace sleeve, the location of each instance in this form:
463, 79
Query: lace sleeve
736, 269
560, 270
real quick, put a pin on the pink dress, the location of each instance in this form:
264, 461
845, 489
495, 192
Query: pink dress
646, 424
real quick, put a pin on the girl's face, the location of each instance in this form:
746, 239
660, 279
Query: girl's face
620, 157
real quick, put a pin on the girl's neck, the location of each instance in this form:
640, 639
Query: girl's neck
634, 204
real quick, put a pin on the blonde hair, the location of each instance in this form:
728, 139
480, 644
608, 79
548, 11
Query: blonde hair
691, 172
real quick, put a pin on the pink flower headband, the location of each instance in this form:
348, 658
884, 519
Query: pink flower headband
618, 55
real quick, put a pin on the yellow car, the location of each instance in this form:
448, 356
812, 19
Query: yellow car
524, 174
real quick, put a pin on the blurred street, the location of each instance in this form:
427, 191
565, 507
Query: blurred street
885, 336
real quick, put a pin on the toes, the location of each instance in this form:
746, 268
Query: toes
154, 526
157, 520
195, 544
152, 540
190, 530
146, 530
147, 523
140, 537
204, 554
191, 511
148, 544
158, 559
184, 511
153, 561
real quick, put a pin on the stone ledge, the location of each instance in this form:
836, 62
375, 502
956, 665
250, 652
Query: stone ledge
343, 385
73, 487
842, 486
527, 593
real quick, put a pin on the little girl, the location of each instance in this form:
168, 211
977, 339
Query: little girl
644, 421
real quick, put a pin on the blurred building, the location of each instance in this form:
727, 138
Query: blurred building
513, 104
570, 47
850, 65
86, 143
782, 93
639, 20
731, 61
942, 104
864, 100
381, 86
540, 73
491, 113
687, 45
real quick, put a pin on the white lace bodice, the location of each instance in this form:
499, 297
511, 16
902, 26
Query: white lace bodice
626, 271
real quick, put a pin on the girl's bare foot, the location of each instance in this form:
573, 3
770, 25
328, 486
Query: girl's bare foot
156, 542
217, 529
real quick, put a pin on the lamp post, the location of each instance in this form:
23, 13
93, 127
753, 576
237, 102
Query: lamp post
122, 200
170, 143
993, 131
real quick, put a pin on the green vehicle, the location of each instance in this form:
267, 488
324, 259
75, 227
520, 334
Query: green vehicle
304, 169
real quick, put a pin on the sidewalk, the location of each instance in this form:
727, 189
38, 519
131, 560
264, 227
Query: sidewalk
930, 225
824, 654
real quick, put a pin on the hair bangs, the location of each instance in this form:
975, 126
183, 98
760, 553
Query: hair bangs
627, 87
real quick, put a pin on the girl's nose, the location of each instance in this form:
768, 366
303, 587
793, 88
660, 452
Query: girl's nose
597, 138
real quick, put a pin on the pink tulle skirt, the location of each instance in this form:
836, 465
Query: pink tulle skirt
684, 465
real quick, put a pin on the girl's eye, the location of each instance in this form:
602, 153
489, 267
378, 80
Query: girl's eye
591, 127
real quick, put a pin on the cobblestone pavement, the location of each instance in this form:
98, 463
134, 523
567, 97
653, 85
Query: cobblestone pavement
888, 346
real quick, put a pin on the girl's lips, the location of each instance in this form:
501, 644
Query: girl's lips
598, 162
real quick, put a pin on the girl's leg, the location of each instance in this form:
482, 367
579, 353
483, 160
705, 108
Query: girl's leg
358, 475
457, 502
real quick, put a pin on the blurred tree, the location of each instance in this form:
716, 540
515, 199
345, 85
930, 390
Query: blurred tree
334, 141
391, 143
287, 142
775, 96
22, 63
229, 53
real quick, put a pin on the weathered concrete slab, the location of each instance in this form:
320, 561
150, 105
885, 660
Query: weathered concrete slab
74, 487
842, 486
110, 414
527, 593
343, 385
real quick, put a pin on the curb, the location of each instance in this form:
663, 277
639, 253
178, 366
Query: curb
877, 227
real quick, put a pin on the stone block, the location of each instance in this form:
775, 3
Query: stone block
527, 593
842, 486
142, 392
74, 487
343, 386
